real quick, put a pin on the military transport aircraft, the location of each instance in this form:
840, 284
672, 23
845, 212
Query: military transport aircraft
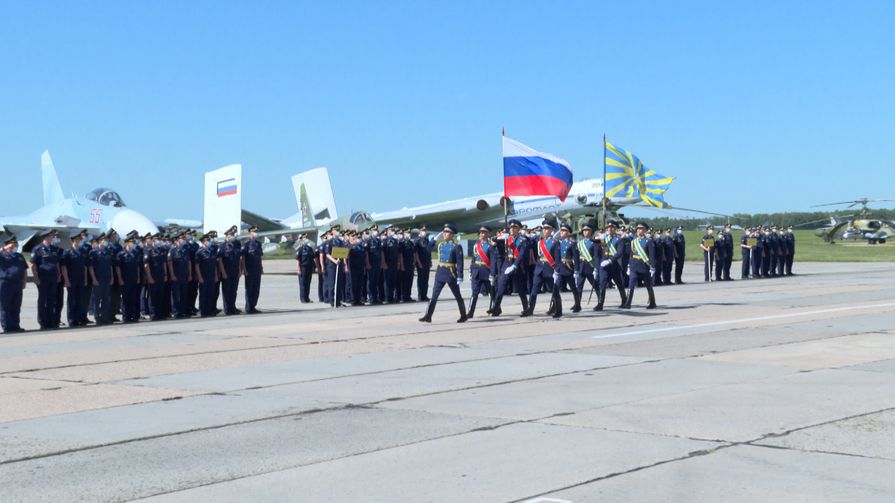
100, 210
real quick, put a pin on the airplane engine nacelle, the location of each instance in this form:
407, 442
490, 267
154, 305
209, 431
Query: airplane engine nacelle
505, 202
581, 198
482, 205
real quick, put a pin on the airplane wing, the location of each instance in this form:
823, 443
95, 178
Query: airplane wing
263, 224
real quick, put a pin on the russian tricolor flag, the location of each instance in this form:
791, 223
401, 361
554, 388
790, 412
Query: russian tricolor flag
527, 172
227, 187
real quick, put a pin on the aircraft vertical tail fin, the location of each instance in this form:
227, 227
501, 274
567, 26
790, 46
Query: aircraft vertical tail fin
223, 198
52, 189
314, 196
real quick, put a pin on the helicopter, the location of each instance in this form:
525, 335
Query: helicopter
845, 227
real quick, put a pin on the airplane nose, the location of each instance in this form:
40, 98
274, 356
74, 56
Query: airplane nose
129, 220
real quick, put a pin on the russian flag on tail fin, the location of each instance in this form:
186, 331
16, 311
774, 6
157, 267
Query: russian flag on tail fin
527, 172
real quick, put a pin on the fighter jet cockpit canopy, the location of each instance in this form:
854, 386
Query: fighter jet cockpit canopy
360, 218
106, 197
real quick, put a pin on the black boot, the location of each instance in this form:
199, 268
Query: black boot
527, 308
557, 309
577, 307
629, 299
471, 310
652, 297
601, 297
621, 292
462, 307
429, 310
495, 306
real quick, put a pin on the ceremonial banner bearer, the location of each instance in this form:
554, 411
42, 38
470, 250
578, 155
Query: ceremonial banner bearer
549, 255
449, 272
643, 260
480, 268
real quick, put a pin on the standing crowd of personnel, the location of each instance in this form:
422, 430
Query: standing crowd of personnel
162, 276
156, 276
767, 252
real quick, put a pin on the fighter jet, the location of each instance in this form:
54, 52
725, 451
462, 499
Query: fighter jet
100, 210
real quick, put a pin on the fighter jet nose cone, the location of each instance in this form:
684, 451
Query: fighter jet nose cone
129, 220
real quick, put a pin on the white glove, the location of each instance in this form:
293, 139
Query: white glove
629, 270
652, 272
509, 270
605, 263
460, 280
577, 277
596, 275
556, 277
492, 278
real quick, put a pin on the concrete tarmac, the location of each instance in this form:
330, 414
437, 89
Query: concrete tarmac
769, 390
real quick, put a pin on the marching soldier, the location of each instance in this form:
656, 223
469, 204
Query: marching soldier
74, 276
513, 265
231, 259
548, 253
680, 252
423, 265
449, 272
127, 269
643, 259
708, 251
13, 280
306, 258
610, 267
100, 270
565, 272
480, 266
47, 275
252, 269
660, 256
587, 259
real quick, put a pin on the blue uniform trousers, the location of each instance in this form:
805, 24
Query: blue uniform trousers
10, 305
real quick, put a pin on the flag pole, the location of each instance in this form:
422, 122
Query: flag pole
603, 222
506, 200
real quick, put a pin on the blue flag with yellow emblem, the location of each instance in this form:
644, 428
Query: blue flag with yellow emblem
626, 176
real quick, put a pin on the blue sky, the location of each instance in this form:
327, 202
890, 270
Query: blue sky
753, 106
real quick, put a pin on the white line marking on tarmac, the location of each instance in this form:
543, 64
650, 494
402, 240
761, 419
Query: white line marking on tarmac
743, 320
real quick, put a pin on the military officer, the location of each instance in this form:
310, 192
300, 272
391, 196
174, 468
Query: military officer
449, 272
480, 267
252, 269
588, 256
392, 257
549, 258
513, 268
408, 262
423, 265
231, 256
610, 266
680, 253
357, 263
60, 286
746, 252
128, 267
155, 265
100, 270
193, 288
668, 264
179, 276
643, 260
756, 253
728, 252
660, 256
774, 250
74, 276
784, 251
336, 269
624, 249
114, 248
720, 254
305, 256
47, 275
13, 280
206, 271
565, 272
708, 250
87, 291
321, 267
375, 265
790, 249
